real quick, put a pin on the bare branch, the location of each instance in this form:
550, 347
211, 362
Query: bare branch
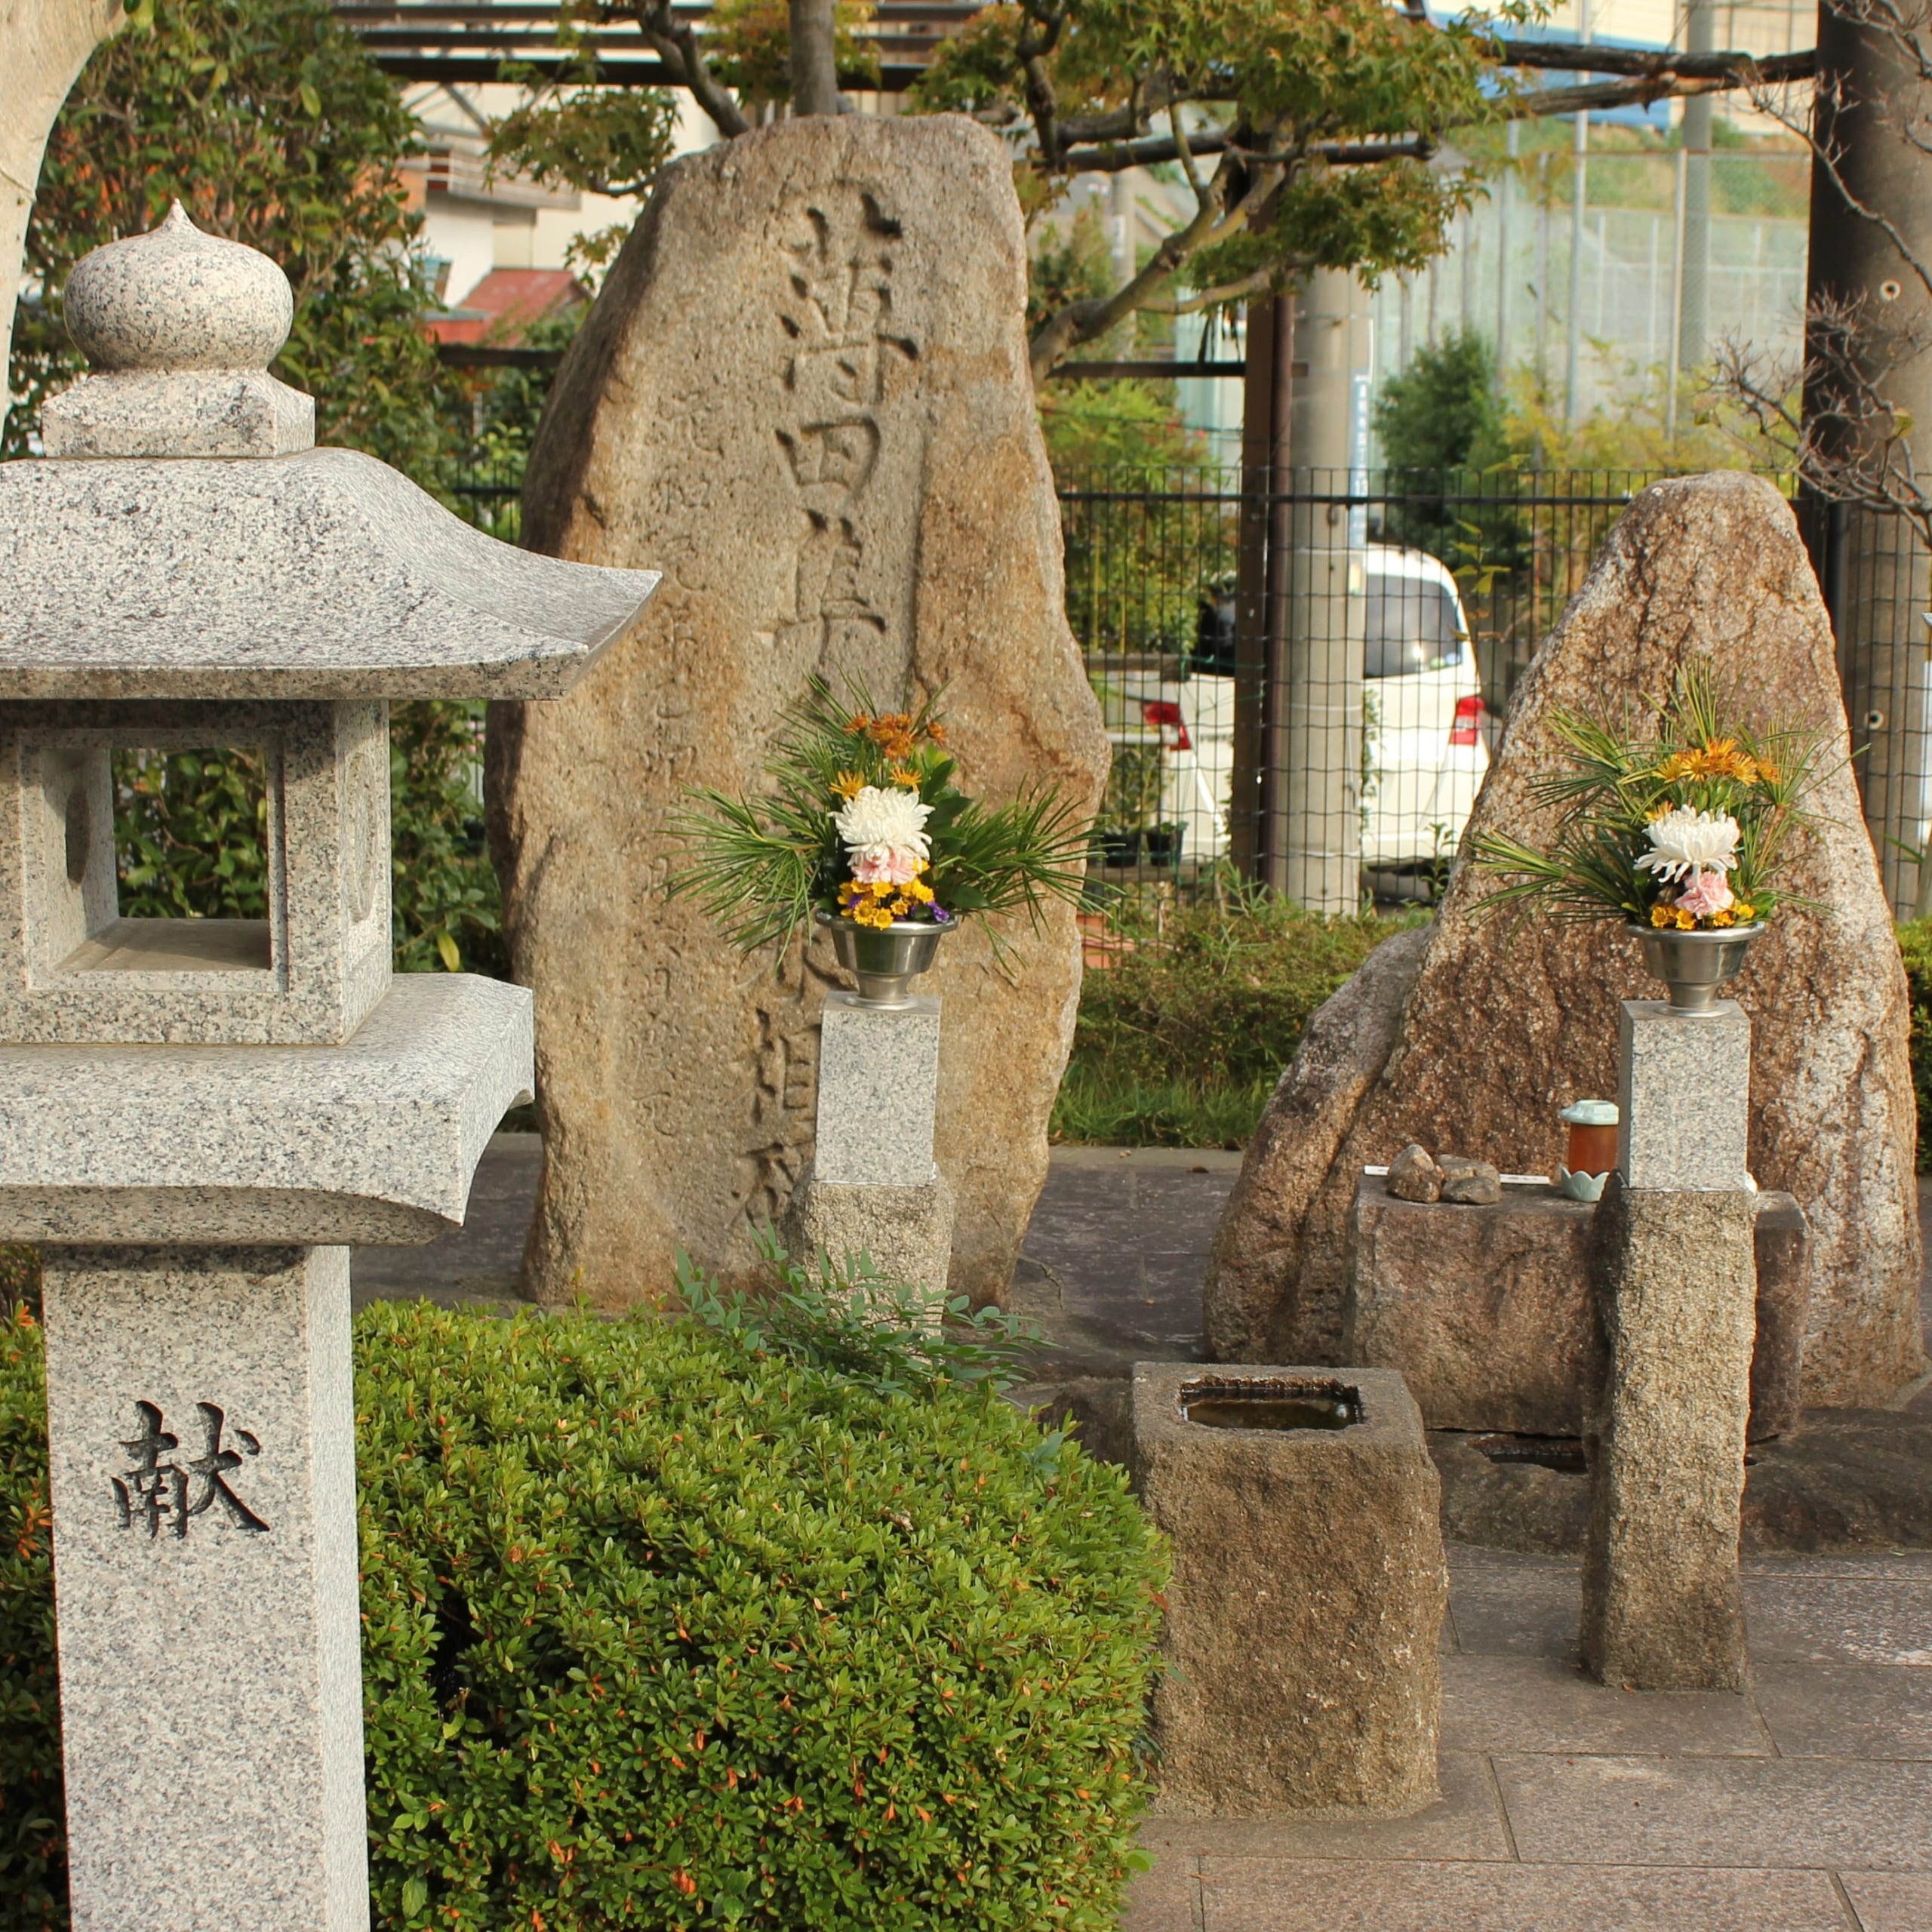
1082, 321
1536, 103
1589, 57
1038, 39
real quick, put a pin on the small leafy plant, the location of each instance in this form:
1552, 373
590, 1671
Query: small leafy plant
863, 823
1683, 818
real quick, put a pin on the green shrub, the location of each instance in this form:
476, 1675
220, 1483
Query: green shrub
1181, 1040
1915, 949
667, 1625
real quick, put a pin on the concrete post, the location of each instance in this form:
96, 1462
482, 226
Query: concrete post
1321, 711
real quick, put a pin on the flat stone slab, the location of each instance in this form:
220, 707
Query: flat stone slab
1485, 1311
374, 1140
321, 575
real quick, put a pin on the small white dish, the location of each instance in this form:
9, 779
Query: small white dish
1580, 1187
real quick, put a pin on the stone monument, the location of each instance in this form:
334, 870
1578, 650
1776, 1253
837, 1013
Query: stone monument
197, 1115
1470, 1036
804, 392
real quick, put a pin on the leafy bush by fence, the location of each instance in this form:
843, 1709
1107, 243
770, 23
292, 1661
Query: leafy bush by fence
667, 1625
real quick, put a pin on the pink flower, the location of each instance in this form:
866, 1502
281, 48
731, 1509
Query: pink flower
1706, 894
898, 864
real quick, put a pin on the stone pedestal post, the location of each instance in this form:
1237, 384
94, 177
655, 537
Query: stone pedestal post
201, 1426
1674, 1278
872, 1188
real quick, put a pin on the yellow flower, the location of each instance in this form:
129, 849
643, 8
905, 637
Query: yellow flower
1687, 922
917, 888
901, 775
899, 908
881, 888
1720, 757
874, 915
1660, 915
1744, 913
848, 785
1724, 918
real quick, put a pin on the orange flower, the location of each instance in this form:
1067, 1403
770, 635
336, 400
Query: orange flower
1719, 757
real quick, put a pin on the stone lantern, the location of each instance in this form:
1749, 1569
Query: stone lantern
198, 1115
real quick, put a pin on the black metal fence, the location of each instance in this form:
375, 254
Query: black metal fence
1303, 687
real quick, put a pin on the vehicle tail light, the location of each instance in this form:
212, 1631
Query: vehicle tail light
1467, 728
1164, 715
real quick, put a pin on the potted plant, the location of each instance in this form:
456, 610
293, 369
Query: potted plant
864, 832
1678, 820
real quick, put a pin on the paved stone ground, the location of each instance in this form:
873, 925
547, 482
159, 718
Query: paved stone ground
1804, 1806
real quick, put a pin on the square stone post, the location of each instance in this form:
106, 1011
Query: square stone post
873, 1187
201, 1427
1674, 1280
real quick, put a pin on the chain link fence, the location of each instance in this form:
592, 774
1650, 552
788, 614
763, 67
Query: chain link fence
1315, 710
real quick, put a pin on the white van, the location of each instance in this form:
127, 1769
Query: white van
1425, 728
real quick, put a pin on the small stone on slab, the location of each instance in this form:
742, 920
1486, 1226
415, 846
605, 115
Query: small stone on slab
1413, 1175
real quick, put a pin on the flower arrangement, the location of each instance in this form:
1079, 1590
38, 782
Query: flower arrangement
1682, 819
863, 823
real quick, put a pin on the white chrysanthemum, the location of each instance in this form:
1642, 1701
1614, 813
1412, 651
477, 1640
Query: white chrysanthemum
878, 822
1684, 843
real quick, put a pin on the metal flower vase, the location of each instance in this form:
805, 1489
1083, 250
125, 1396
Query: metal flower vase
1694, 967
884, 960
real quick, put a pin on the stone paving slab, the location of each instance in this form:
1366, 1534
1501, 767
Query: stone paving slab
1836, 1619
1845, 1711
1466, 1822
1324, 1895
1516, 1704
1890, 1901
1775, 1812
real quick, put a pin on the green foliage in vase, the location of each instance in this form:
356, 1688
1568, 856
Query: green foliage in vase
1679, 813
756, 1622
761, 865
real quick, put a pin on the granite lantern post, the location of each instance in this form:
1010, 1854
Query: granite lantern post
198, 1115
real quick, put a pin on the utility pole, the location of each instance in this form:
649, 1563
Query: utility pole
1506, 194
1315, 797
1871, 565
1693, 306
1269, 333
1580, 149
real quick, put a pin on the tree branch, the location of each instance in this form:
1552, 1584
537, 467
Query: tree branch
1038, 39
676, 43
1757, 76
1112, 157
1082, 321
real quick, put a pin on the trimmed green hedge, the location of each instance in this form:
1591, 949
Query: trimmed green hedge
670, 1625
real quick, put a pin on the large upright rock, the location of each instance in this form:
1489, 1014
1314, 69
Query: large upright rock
1497, 1031
803, 394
